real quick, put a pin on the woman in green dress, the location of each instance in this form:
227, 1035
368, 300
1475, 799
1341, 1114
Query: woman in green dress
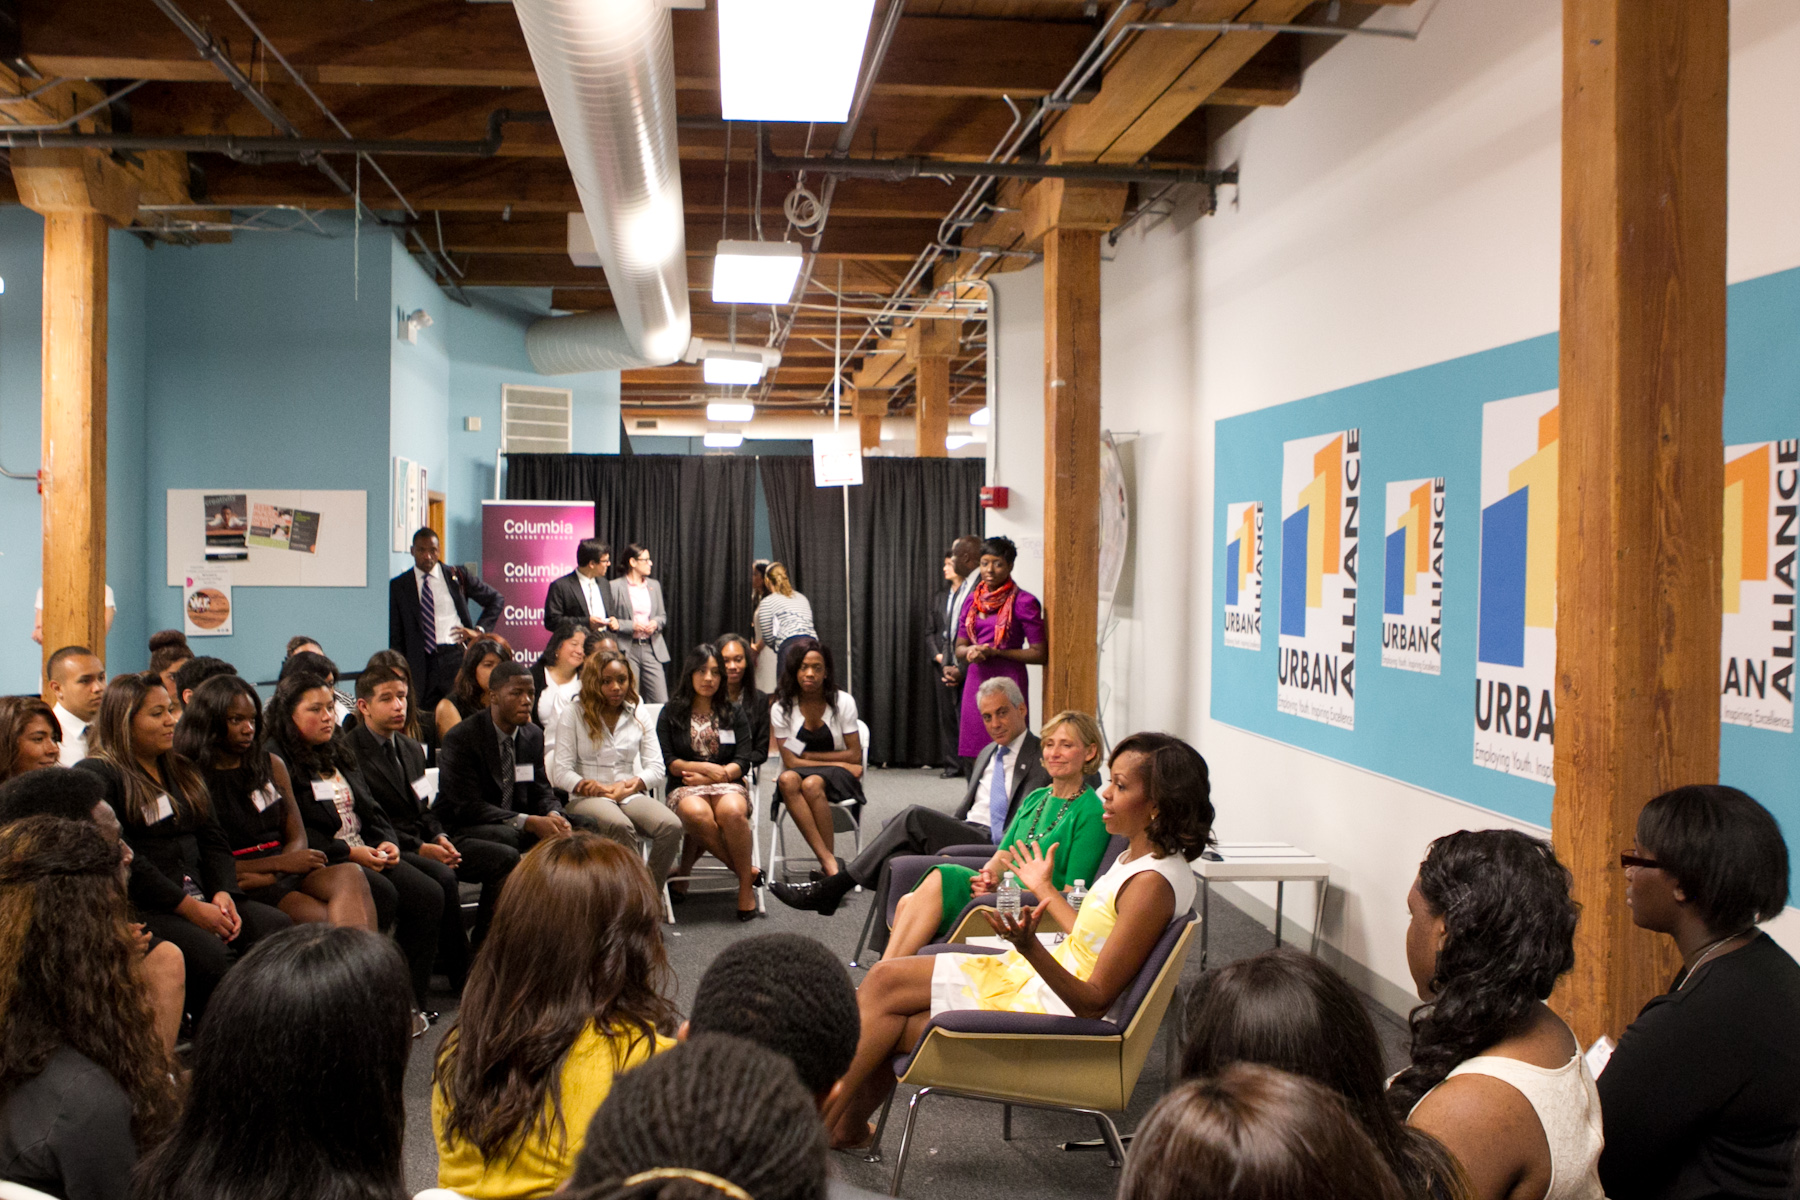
1063, 820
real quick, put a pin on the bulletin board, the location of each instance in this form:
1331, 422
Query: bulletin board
322, 541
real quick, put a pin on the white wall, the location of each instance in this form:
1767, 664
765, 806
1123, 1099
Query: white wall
1403, 210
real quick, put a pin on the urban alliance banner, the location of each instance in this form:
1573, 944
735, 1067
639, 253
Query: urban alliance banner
526, 544
1757, 637
1412, 593
1244, 575
1321, 498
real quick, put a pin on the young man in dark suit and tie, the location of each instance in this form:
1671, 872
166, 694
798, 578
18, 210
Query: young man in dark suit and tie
428, 617
1006, 771
583, 595
393, 765
491, 779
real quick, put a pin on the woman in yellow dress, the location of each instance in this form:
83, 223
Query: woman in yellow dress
1159, 800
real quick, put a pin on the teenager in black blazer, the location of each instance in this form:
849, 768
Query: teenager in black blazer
433, 664
567, 600
302, 729
473, 801
393, 767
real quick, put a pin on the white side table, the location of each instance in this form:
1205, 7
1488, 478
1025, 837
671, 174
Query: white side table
1260, 862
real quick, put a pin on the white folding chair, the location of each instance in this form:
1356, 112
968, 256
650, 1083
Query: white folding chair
846, 816
707, 869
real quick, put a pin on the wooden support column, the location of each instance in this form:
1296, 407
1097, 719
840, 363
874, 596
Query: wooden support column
78, 193
1071, 220
1641, 477
931, 344
869, 408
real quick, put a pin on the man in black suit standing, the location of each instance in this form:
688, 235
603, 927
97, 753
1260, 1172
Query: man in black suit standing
582, 596
393, 765
965, 559
491, 780
428, 617
1006, 771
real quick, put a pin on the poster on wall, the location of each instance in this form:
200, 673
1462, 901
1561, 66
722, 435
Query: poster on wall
206, 601
1762, 480
227, 520
1321, 498
837, 459
1115, 526
1244, 575
1515, 667
278, 527
1412, 591
525, 546
410, 503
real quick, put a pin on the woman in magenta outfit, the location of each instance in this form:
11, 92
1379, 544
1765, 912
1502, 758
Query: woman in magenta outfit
1001, 630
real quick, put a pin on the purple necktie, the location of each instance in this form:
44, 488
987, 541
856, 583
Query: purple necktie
428, 612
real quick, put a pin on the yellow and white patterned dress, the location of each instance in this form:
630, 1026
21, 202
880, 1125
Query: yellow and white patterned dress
1008, 983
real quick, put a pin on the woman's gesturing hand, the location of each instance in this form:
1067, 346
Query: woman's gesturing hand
1021, 930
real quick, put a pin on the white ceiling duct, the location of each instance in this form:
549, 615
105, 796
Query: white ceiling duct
607, 69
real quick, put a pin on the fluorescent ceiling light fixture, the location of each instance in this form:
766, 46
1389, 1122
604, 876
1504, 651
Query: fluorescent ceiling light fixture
755, 272
718, 411
733, 367
980, 416
791, 60
957, 441
723, 441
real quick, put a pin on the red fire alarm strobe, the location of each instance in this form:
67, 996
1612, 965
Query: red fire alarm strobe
993, 497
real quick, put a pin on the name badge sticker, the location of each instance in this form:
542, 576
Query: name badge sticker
165, 808
265, 796
795, 746
421, 788
524, 773
323, 790
727, 737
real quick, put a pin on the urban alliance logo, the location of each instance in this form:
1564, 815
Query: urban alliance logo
1321, 499
1515, 670
1757, 635
1412, 594
1243, 575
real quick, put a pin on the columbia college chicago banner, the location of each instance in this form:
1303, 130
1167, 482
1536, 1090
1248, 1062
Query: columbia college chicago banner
525, 544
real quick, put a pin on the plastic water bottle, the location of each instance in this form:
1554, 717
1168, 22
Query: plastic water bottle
1007, 899
1076, 894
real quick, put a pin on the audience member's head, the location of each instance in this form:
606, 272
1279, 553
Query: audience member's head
1288, 1010
1081, 731
576, 940
566, 648
965, 553
759, 578
735, 661
68, 964
510, 694
807, 672
1720, 861
788, 994
168, 650
1168, 776
950, 575
300, 723
1253, 1133
598, 640
593, 557
425, 549
716, 1119
1493, 929
300, 642
1002, 708
384, 659
776, 576
77, 678
384, 698
196, 671
136, 725
997, 557
637, 559
311, 662
30, 735
71, 795
298, 1076
607, 687
480, 658
701, 675
222, 728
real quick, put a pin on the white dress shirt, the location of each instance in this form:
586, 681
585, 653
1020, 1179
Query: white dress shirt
980, 813
629, 749
74, 736
444, 608
786, 722
551, 702
590, 592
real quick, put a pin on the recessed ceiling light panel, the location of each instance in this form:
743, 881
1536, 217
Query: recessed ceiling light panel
791, 60
756, 272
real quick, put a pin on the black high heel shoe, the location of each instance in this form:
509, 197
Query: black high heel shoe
757, 879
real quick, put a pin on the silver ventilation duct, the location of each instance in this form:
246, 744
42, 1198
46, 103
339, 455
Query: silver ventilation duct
607, 69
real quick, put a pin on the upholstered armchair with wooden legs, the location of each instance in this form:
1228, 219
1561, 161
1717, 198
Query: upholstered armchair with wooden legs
1038, 1061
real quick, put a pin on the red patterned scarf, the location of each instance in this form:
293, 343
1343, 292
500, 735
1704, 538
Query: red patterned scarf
987, 601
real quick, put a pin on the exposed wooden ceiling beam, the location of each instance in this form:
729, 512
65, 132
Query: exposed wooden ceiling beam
547, 233
556, 271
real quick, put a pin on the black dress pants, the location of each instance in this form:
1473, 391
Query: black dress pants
441, 666
206, 956
411, 903
513, 837
917, 830
485, 863
949, 715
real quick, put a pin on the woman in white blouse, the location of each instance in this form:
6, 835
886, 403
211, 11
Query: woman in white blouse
813, 727
557, 675
608, 760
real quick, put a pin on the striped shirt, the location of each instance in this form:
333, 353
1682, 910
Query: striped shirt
780, 617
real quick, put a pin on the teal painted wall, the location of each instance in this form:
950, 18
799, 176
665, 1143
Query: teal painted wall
418, 382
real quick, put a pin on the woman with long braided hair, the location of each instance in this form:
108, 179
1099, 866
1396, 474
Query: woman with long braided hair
1496, 1076
717, 1118
84, 1076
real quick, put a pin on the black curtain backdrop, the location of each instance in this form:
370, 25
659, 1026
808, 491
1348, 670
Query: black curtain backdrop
902, 521
695, 514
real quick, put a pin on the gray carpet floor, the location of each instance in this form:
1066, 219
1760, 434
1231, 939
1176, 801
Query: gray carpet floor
959, 1151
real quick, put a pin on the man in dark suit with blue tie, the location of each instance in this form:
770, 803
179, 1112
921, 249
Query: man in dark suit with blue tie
428, 617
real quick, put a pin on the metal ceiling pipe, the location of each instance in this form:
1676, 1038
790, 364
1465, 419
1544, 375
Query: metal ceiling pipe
607, 69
